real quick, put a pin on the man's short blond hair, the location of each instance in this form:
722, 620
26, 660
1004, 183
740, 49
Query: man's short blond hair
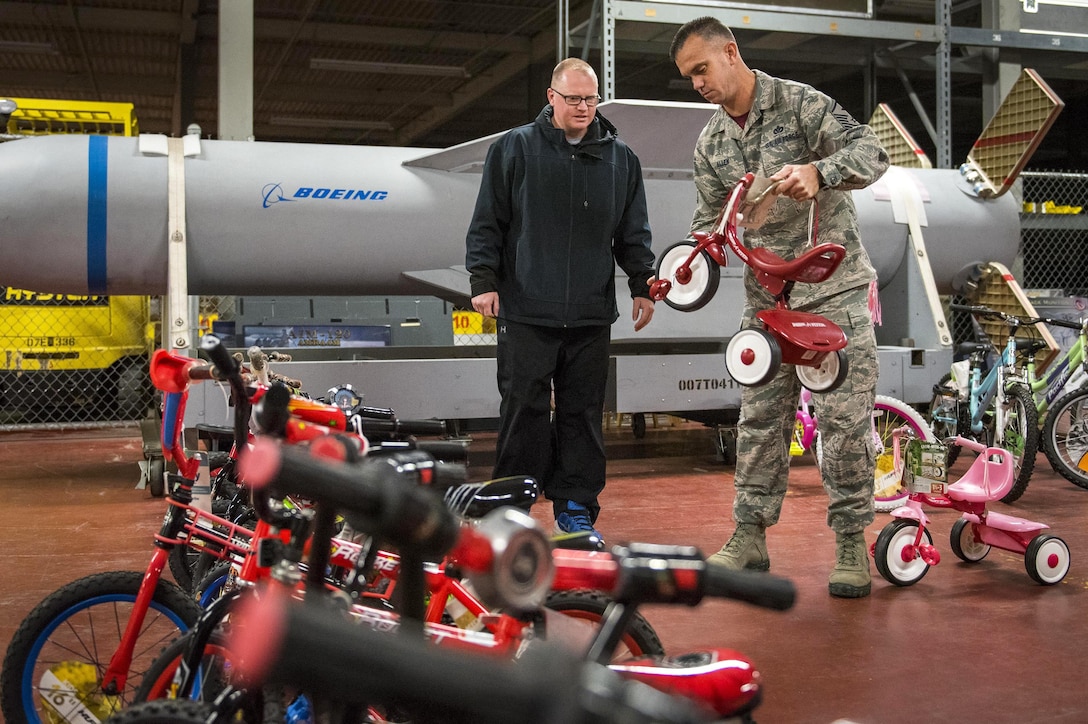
572, 65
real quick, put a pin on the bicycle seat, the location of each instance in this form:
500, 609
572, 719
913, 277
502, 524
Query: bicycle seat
990, 477
475, 500
1030, 346
812, 267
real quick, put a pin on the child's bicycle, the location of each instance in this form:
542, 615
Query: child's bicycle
721, 679
81, 654
1059, 393
889, 415
904, 551
688, 275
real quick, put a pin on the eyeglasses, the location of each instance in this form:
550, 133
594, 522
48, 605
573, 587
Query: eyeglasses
576, 100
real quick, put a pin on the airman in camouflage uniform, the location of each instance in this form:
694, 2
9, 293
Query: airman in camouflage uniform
790, 132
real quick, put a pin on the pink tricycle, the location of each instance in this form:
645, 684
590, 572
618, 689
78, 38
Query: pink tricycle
904, 550
687, 278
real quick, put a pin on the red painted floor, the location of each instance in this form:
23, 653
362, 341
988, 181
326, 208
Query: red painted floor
979, 643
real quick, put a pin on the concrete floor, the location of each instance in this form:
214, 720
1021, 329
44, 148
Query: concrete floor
978, 643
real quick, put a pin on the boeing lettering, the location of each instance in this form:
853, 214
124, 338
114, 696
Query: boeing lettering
305, 192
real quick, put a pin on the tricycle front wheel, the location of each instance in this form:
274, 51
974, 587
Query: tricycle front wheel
896, 557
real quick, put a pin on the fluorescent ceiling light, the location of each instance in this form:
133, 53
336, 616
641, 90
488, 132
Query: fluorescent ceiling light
15, 46
351, 125
362, 66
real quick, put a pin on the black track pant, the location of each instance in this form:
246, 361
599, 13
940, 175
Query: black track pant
565, 455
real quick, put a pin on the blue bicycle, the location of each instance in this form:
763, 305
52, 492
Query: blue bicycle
997, 410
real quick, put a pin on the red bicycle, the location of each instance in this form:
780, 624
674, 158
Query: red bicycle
515, 575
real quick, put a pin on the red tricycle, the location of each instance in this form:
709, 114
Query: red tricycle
688, 274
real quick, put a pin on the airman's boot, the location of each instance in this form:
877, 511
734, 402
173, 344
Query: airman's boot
850, 579
746, 549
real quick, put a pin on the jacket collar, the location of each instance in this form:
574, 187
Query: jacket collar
600, 132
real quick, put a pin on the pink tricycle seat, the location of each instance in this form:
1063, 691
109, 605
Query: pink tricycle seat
990, 477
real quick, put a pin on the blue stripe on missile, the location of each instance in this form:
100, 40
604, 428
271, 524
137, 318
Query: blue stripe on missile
97, 176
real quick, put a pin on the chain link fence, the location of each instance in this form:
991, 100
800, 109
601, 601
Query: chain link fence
71, 360
1051, 265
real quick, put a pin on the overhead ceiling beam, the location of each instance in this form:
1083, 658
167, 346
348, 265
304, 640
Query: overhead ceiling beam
541, 47
167, 23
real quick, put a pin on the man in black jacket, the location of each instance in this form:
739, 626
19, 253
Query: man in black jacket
560, 204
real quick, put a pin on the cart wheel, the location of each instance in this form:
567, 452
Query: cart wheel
753, 357
691, 287
156, 483
638, 425
1047, 559
896, 557
828, 375
964, 544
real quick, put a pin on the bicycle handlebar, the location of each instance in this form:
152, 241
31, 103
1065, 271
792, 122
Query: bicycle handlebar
649, 573
376, 495
758, 589
317, 651
981, 311
369, 426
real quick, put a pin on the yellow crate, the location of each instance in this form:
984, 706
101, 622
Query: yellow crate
42, 117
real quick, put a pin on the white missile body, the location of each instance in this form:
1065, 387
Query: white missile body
89, 214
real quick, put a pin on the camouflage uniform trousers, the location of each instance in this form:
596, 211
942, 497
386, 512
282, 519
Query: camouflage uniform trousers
767, 420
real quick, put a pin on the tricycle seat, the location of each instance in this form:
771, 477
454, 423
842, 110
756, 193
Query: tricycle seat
812, 267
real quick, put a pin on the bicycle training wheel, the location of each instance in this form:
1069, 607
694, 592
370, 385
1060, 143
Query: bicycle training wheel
696, 291
753, 357
1066, 434
54, 663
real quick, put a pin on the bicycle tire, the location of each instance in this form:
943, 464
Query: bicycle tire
72, 622
165, 711
1065, 432
1020, 437
895, 414
187, 564
215, 677
640, 639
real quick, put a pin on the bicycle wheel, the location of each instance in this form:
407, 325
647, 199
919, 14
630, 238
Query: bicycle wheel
266, 704
640, 639
1019, 435
1066, 434
57, 657
889, 414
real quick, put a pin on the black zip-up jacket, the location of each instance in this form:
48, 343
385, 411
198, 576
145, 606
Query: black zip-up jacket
553, 219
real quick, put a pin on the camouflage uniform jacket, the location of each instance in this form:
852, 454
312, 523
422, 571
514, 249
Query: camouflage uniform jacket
792, 123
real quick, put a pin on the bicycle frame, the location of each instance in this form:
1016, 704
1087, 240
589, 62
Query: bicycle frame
1072, 365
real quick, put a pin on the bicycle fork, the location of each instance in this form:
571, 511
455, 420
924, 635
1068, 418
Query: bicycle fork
116, 674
